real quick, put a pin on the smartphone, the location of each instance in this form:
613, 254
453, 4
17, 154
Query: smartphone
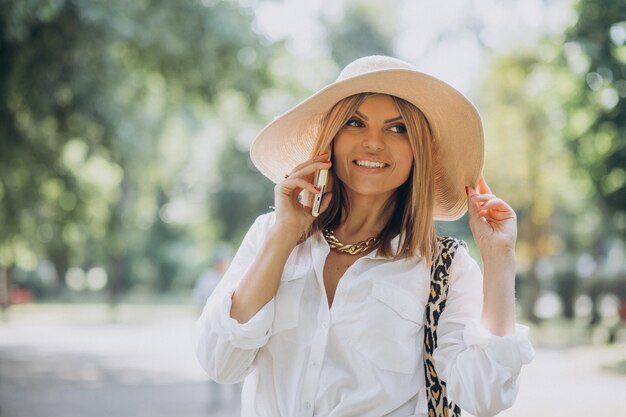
321, 179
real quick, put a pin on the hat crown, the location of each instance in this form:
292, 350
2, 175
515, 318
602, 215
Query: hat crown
371, 63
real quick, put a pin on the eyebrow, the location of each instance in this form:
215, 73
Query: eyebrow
361, 115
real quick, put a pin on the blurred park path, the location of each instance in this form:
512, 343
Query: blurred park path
70, 365
138, 368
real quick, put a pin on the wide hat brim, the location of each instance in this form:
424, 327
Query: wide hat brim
458, 155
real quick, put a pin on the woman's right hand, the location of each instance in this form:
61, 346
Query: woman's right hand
291, 215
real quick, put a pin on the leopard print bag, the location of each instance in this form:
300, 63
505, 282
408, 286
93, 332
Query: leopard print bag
438, 403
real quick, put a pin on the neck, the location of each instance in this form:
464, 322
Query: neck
368, 216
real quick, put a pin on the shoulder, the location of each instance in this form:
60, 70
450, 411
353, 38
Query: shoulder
464, 270
262, 223
450, 244
449, 249
455, 253
265, 221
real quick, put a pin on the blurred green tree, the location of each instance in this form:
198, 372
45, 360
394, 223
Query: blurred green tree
595, 51
595, 128
528, 161
559, 110
242, 194
86, 92
367, 31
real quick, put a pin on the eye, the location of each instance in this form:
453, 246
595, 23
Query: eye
399, 128
354, 123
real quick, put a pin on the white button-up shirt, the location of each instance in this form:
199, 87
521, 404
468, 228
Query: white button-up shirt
363, 356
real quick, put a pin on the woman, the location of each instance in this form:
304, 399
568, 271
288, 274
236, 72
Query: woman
325, 315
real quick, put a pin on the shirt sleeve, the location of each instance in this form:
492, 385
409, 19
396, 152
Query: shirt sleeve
226, 348
481, 370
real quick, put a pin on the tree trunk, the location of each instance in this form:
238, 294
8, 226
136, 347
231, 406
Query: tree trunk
531, 294
536, 221
6, 279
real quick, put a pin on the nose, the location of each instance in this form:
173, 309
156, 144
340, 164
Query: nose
374, 141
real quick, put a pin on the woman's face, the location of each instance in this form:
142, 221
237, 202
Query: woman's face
372, 152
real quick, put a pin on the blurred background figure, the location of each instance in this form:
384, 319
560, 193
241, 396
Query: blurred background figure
219, 394
208, 279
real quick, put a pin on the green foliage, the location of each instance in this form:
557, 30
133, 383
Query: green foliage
596, 129
124, 129
87, 92
560, 113
242, 194
367, 31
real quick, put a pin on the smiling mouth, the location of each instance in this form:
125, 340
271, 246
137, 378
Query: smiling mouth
370, 164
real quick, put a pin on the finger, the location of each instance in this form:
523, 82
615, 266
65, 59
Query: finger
498, 210
497, 204
309, 168
320, 158
483, 187
491, 215
483, 197
290, 185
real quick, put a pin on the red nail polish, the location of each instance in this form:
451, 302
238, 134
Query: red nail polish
327, 162
466, 190
318, 189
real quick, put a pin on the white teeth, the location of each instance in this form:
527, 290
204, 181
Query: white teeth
370, 164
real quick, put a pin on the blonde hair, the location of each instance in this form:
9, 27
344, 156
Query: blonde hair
411, 206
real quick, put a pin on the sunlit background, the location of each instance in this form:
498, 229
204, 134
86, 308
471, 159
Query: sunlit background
125, 182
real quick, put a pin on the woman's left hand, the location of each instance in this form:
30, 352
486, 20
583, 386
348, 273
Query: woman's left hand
492, 220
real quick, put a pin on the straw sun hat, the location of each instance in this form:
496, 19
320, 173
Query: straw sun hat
459, 148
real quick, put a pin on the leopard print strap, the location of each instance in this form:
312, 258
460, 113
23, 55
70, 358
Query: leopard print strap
438, 403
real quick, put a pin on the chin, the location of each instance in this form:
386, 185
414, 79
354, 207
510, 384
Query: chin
371, 190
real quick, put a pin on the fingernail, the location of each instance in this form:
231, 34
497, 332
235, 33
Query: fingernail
327, 162
318, 189
324, 154
466, 190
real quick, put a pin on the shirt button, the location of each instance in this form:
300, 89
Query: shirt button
307, 405
314, 364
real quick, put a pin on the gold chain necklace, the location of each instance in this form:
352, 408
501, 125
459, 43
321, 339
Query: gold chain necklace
359, 247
